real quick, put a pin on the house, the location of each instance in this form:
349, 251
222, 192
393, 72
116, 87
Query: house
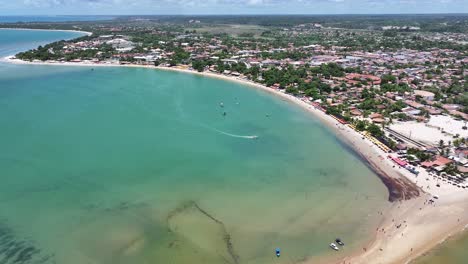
428, 96
451, 107
229, 61
458, 113
378, 120
433, 110
381, 107
375, 115
401, 146
411, 111
438, 161
413, 104
356, 112
461, 153
462, 169
354, 78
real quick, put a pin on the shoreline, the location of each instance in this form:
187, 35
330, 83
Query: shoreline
450, 239
423, 229
40, 29
399, 188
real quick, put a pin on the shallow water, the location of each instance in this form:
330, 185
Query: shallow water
127, 165
453, 251
13, 41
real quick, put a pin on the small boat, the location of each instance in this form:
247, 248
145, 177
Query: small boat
334, 247
339, 242
224, 113
221, 104
278, 252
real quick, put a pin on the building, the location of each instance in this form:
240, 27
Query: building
356, 112
353, 78
428, 96
438, 163
461, 153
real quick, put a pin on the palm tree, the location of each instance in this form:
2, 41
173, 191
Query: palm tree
441, 147
441, 143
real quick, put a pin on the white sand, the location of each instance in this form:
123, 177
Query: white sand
420, 132
431, 132
449, 125
37, 29
424, 228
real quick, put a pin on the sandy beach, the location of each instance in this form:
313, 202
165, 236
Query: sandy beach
38, 29
411, 226
438, 128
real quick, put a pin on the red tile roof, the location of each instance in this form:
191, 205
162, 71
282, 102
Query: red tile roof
438, 161
399, 161
352, 76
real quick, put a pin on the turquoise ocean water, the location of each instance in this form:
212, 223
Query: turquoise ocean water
127, 165
13, 41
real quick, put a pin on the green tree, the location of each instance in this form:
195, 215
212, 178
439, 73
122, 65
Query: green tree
361, 125
198, 65
388, 79
375, 130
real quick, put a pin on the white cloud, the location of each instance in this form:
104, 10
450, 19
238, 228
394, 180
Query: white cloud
230, 6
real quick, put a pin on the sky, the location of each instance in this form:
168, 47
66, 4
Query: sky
156, 7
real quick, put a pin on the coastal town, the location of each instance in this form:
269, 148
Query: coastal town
390, 91
410, 102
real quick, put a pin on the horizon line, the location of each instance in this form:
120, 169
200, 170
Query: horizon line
241, 14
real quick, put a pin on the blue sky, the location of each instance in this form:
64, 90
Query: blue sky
114, 7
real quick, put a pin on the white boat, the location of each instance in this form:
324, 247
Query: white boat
334, 247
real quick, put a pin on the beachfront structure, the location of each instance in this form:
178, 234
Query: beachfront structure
438, 163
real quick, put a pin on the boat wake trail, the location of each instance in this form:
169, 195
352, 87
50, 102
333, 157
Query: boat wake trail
182, 117
232, 135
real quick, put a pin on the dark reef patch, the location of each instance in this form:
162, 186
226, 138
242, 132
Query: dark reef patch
399, 189
226, 236
14, 250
